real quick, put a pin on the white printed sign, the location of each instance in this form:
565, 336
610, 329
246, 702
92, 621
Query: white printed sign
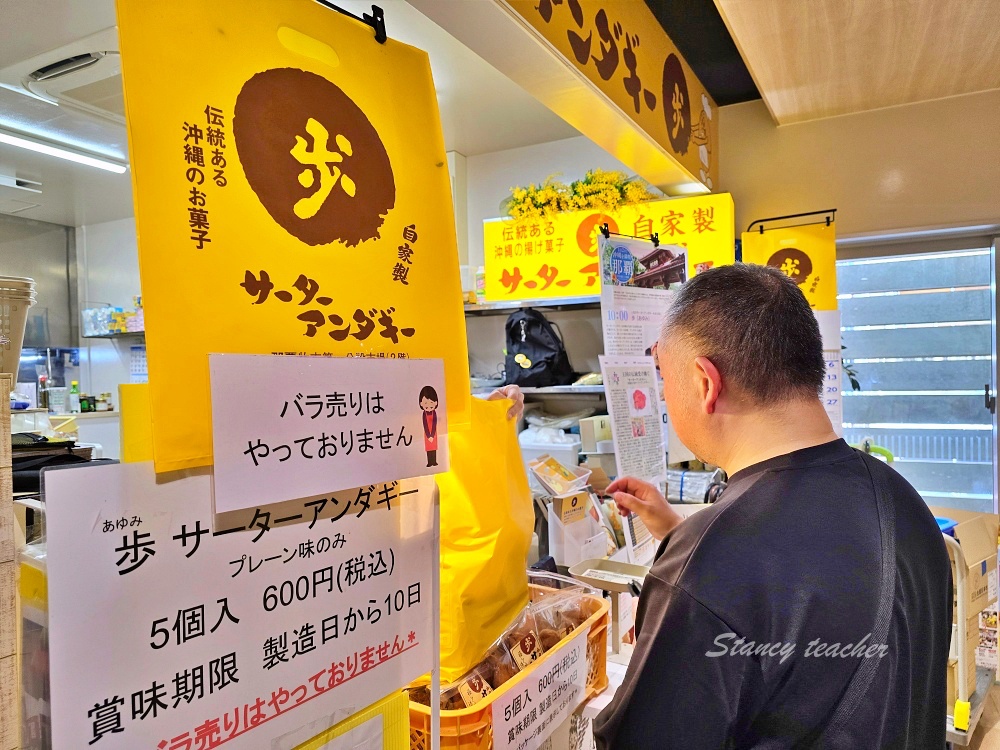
526, 715
302, 426
173, 629
636, 421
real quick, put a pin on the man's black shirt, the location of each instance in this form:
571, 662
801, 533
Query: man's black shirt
758, 610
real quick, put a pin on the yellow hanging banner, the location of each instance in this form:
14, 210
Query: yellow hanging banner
558, 257
292, 197
621, 48
808, 254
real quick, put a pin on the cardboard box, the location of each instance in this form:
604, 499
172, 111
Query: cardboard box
593, 429
573, 508
977, 533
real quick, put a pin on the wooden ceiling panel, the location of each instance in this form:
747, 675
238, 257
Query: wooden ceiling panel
821, 58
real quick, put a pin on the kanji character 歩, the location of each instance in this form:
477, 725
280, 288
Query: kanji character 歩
643, 227
317, 506
672, 223
704, 220
260, 288
193, 133
608, 64
224, 614
400, 273
314, 320
305, 640
195, 176
190, 623
340, 334
363, 498
403, 438
133, 549
365, 324
320, 161
260, 450
307, 286
149, 701
387, 494
107, 718
188, 685
385, 439
197, 198
261, 520
410, 233
376, 564
511, 280
327, 446
213, 115
302, 443
222, 672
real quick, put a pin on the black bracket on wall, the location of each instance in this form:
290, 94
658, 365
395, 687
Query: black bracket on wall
829, 215
654, 237
376, 20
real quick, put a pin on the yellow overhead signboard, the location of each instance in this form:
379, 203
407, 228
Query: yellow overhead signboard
621, 48
808, 254
558, 257
292, 197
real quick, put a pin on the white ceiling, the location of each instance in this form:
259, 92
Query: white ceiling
482, 111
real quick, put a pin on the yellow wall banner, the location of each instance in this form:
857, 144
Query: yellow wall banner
808, 254
621, 48
558, 256
292, 197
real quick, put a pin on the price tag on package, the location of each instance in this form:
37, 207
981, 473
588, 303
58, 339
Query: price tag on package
529, 711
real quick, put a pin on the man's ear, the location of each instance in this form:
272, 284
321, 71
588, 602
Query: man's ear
709, 383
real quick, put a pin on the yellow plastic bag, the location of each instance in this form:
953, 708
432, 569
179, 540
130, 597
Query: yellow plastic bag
486, 525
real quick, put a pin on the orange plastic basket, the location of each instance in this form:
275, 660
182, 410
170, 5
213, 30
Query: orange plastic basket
472, 728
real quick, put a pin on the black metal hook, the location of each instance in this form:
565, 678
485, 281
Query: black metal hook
376, 20
831, 213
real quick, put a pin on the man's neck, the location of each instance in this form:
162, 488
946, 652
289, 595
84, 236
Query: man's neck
775, 432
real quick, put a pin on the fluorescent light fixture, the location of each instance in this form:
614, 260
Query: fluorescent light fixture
62, 153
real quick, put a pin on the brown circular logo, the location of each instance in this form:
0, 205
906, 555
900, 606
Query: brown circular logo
312, 157
589, 229
676, 104
793, 263
476, 684
528, 644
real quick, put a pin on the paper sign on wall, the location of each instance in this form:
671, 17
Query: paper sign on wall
636, 417
558, 256
292, 197
174, 629
294, 427
833, 382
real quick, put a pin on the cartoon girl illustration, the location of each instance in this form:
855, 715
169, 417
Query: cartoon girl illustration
429, 403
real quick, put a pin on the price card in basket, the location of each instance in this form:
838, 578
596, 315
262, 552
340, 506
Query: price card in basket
531, 709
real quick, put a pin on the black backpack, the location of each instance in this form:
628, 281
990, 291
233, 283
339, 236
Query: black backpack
536, 356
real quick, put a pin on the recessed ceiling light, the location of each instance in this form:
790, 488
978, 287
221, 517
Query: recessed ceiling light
62, 152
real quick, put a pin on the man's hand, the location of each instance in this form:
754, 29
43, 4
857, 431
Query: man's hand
643, 499
513, 393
